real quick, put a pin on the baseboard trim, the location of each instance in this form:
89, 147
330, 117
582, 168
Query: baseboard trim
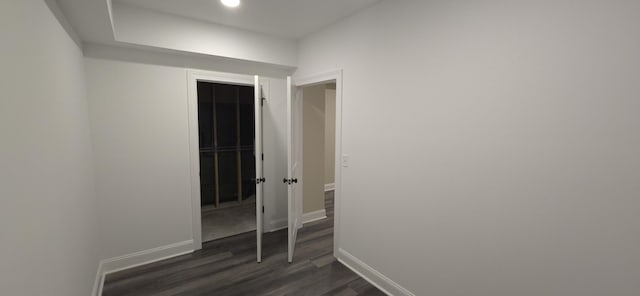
329, 187
371, 275
314, 216
132, 260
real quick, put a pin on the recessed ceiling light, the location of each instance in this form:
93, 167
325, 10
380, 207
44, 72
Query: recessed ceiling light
231, 3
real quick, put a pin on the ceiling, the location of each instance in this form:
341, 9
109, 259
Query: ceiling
290, 19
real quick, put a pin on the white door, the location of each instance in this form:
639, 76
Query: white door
259, 171
294, 125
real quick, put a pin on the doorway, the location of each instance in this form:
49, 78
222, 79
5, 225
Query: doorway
227, 92
299, 161
226, 132
318, 150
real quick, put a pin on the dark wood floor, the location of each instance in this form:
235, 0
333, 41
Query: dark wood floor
228, 267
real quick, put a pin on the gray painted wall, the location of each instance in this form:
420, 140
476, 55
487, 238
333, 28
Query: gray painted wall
493, 144
48, 210
140, 130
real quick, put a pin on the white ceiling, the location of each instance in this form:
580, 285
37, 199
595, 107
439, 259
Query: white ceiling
291, 19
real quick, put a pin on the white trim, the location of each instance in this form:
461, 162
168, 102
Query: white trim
372, 276
329, 187
115, 264
123, 262
319, 78
193, 76
314, 216
324, 78
222, 77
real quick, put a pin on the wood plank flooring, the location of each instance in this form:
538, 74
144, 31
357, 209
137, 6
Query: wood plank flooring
228, 267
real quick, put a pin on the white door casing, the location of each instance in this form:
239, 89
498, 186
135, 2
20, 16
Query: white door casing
193, 76
323, 78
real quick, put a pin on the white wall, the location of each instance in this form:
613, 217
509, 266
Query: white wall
141, 146
493, 144
313, 148
143, 27
139, 123
48, 212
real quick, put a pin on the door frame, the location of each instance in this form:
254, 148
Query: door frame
193, 77
322, 78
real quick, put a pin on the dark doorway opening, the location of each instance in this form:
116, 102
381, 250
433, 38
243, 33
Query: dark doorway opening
227, 158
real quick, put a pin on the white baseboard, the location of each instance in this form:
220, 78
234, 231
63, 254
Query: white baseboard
329, 187
373, 276
314, 216
120, 263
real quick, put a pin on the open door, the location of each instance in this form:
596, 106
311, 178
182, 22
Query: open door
294, 125
259, 171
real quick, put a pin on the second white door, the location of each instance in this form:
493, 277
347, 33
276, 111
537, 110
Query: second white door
294, 200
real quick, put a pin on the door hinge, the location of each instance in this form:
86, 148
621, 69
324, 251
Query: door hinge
262, 156
260, 180
263, 209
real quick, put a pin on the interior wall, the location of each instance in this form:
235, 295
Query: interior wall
144, 55
329, 135
139, 123
313, 148
509, 144
141, 146
48, 211
160, 30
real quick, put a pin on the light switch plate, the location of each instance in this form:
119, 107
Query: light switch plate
345, 160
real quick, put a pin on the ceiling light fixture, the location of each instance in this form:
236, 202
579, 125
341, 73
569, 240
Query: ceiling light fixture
231, 3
